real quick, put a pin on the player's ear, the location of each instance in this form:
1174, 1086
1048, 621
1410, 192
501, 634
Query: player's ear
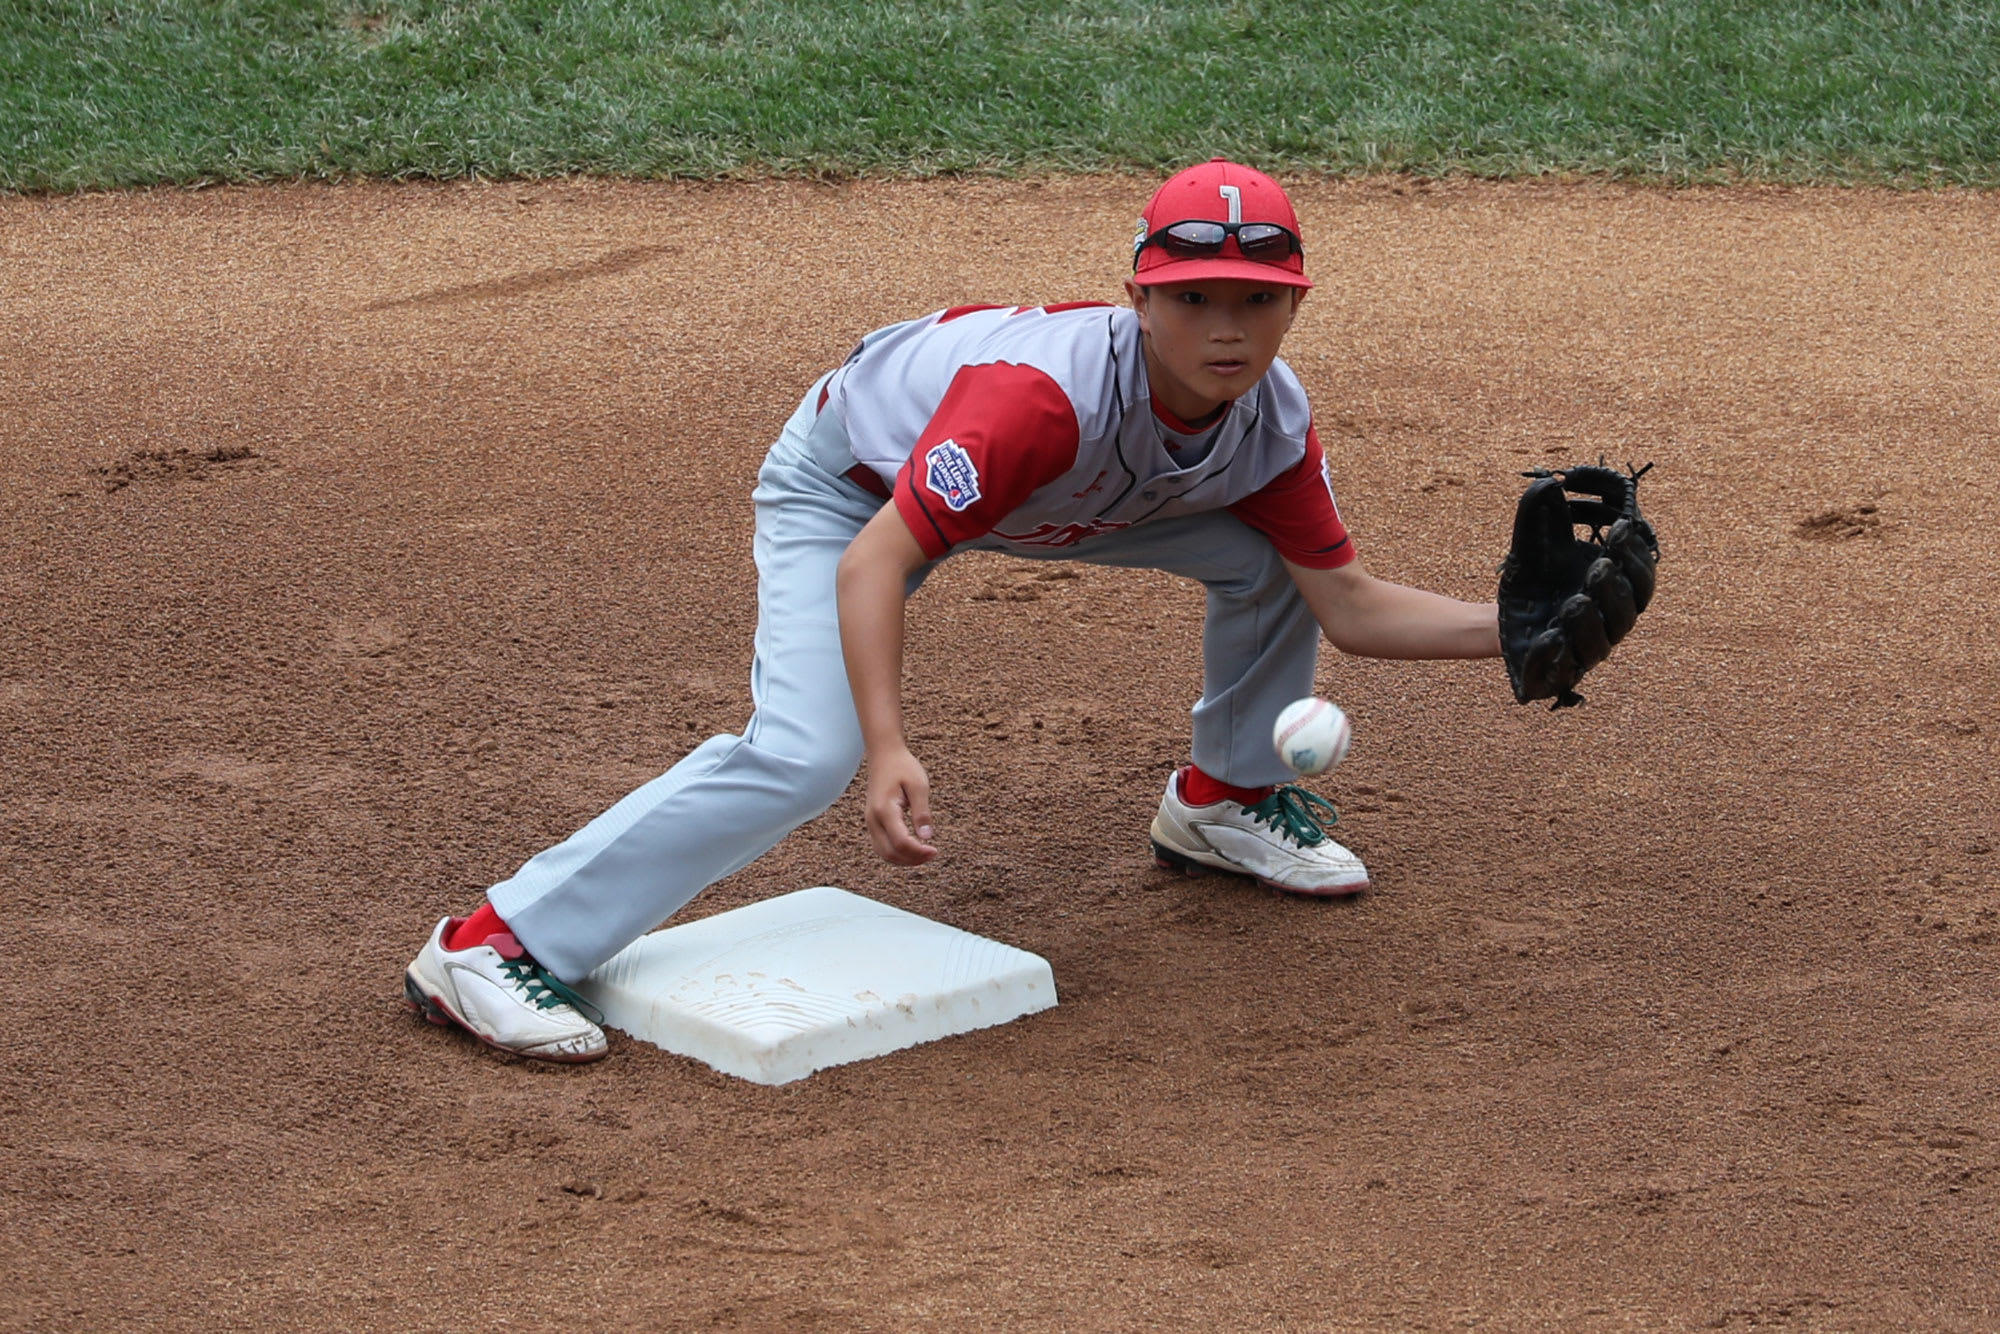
1292, 314
1139, 296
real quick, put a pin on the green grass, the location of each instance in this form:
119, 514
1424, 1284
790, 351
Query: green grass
97, 93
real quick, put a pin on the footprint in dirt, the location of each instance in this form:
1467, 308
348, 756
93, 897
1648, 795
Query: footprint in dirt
180, 464
1022, 585
1838, 525
366, 637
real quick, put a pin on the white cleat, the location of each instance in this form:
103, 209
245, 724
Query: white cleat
500, 995
1281, 841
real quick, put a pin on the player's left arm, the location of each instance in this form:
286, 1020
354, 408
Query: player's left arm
1379, 618
1360, 614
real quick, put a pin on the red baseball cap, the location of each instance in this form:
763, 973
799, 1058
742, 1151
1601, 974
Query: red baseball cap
1225, 197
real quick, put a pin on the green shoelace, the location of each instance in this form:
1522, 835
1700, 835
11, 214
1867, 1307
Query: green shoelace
545, 991
1291, 811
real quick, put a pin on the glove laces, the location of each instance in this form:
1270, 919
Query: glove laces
1292, 811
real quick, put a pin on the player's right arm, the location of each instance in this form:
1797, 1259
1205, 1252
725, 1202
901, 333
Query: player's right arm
873, 576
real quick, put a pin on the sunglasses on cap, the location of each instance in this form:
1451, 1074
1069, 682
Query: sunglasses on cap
1263, 242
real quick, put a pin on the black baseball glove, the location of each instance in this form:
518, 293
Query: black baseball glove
1565, 600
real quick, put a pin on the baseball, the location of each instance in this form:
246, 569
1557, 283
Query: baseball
1312, 735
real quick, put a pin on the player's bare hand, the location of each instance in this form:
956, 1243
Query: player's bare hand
899, 809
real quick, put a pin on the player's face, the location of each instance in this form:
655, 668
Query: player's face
1208, 342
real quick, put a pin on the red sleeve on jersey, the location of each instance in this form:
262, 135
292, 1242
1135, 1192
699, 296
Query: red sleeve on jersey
1296, 511
1002, 431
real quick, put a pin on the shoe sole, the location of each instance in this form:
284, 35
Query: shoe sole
437, 1012
1172, 859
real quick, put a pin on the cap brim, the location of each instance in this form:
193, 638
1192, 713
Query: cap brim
1200, 270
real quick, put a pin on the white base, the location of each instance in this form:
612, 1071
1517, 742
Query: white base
776, 990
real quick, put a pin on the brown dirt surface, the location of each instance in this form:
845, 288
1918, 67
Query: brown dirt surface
357, 542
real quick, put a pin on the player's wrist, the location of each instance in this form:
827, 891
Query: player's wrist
885, 747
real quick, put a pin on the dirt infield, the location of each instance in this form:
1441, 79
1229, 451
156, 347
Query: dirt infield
359, 542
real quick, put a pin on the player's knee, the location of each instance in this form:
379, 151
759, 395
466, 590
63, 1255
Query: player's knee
794, 770
826, 783
1256, 574
818, 779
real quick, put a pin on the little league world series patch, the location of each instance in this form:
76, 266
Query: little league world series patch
949, 472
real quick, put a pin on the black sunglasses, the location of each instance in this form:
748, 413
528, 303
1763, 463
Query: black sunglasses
1263, 242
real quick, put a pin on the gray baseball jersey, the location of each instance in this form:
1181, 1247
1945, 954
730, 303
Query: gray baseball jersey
1033, 427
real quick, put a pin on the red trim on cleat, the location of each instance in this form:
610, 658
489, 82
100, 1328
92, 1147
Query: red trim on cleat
1337, 892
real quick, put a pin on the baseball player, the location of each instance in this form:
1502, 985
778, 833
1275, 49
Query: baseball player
1165, 433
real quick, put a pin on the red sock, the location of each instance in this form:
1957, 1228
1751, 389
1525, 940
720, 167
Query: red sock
475, 929
1198, 789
